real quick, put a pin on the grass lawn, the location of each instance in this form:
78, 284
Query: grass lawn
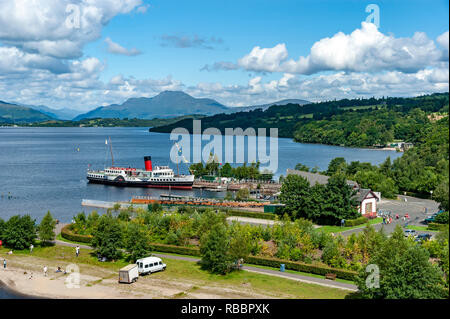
180, 270
301, 273
338, 229
421, 228
59, 237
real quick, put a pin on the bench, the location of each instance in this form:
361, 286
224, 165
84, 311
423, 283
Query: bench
330, 276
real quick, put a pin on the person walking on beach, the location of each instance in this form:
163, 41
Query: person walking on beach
77, 250
4, 263
31, 248
45, 271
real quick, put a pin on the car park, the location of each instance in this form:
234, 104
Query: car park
432, 217
423, 237
410, 232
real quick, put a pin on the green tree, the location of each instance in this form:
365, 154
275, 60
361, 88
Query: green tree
336, 165
441, 194
137, 242
47, 228
294, 191
242, 194
339, 202
107, 238
240, 243
226, 170
2, 228
302, 167
404, 272
214, 249
19, 232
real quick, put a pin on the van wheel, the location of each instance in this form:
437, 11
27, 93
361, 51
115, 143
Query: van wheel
164, 268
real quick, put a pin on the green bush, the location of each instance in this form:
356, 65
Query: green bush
436, 226
251, 214
67, 233
190, 251
442, 218
355, 222
303, 267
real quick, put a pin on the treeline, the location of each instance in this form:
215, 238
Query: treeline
245, 171
112, 122
290, 119
19, 232
421, 170
323, 204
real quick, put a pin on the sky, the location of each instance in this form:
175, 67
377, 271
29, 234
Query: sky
82, 54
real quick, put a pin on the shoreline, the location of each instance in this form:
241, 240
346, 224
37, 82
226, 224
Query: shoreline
10, 291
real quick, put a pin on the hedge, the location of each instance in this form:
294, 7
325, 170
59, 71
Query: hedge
264, 261
298, 266
191, 251
355, 222
242, 213
436, 226
66, 233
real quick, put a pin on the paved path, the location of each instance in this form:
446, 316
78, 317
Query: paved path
291, 276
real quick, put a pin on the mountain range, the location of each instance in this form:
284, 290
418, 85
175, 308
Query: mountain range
167, 104
13, 113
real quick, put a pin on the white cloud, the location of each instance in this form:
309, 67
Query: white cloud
364, 50
116, 48
264, 59
58, 28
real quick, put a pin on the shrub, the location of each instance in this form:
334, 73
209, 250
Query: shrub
251, 214
19, 232
190, 251
67, 233
436, 226
442, 218
355, 222
303, 267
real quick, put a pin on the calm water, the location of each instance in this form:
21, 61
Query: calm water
44, 168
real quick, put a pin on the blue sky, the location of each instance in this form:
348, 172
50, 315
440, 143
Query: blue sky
245, 24
222, 32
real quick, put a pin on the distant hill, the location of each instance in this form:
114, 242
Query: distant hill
13, 113
59, 114
266, 106
356, 122
164, 105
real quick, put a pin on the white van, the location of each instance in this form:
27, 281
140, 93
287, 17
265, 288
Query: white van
149, 265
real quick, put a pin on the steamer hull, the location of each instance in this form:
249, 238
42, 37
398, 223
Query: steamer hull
158, 177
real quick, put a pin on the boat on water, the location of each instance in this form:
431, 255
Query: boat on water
158, 177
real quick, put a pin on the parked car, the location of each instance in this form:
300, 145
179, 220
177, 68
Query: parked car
423, 237
150, 265
432, 217
410, 232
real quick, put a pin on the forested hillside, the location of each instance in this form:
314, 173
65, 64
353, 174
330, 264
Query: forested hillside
357, 122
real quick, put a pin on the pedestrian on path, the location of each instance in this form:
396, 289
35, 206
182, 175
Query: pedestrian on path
45, 271
4, 263
77, 250
31, 248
